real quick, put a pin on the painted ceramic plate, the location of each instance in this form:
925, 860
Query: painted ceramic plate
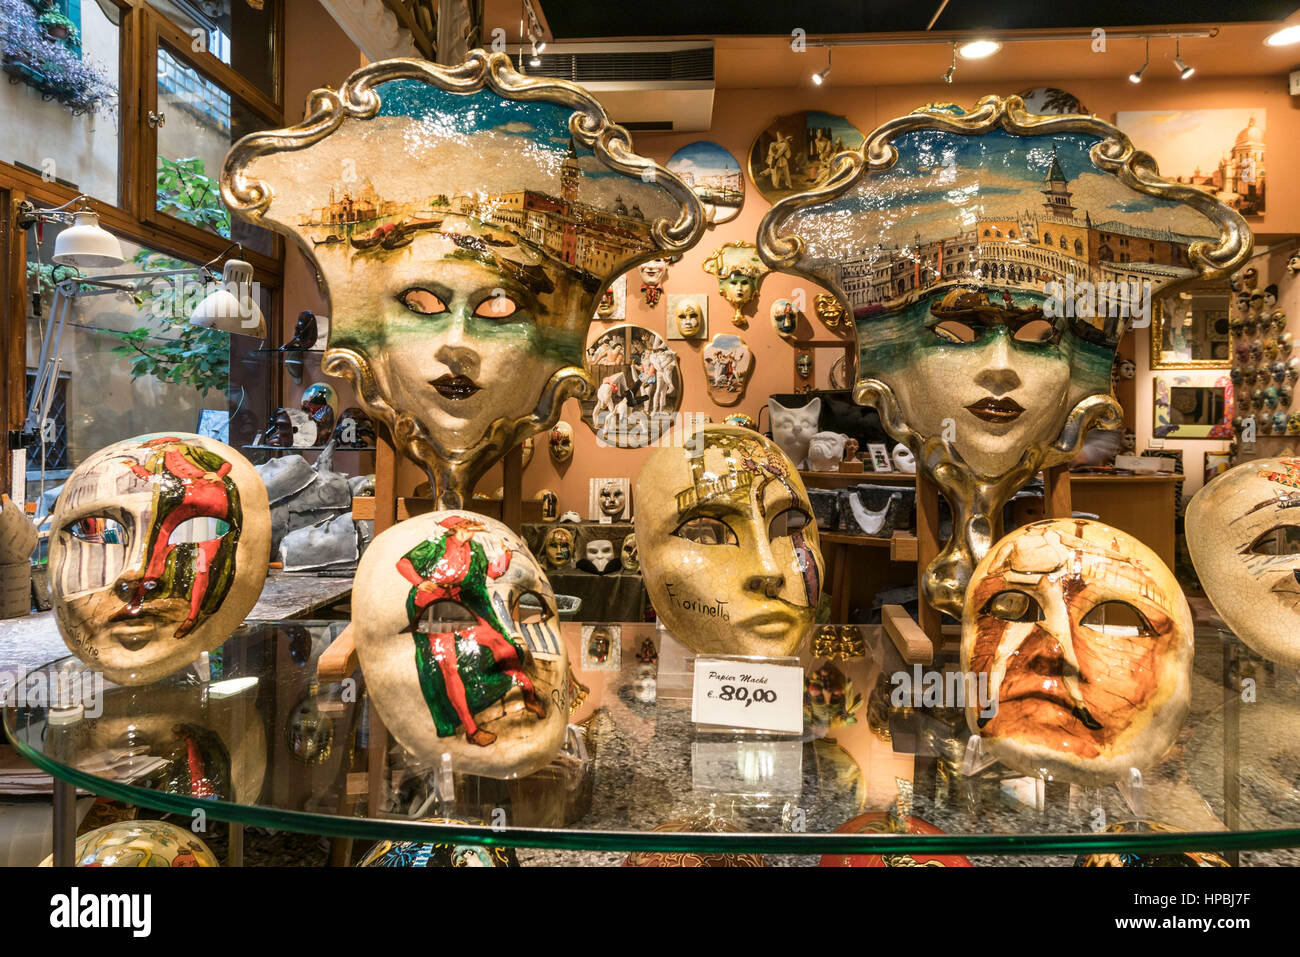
715, 175
877, 822
794, 153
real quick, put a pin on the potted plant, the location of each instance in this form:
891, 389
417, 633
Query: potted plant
59, 27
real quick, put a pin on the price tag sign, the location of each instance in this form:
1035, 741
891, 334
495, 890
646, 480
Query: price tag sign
744, 693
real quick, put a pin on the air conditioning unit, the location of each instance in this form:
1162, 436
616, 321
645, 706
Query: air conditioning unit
664, 87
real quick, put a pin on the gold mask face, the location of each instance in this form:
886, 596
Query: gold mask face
732, 561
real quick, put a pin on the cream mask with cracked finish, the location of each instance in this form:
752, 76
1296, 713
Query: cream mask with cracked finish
1084, 642
1243, 530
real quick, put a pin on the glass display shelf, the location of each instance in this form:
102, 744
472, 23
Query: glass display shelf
262, 741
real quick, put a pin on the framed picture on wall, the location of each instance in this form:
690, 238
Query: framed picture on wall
1216, 463
1192, 406
1190, 330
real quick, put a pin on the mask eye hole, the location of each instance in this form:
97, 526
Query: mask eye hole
422, 301
950, 330
787, 523
198, 529
444, 616
1279, 540
98, 530
1038, 332
1117, 617
1013, 606
532, 609
707, 531
497, 307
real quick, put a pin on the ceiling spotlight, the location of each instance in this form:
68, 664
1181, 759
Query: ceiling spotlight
820, 78
952, 68
535, 60
979, 49
1284, 37
1184, 71
1136, 75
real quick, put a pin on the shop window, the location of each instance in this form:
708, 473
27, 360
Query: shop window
236, 32
129, 361
200, 122
59, 110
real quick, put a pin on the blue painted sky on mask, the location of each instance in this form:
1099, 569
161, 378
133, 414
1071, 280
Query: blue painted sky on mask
544, 124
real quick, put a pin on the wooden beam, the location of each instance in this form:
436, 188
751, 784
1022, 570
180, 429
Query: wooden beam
913, 644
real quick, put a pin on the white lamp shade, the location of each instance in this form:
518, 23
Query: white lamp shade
230, 306
87, 245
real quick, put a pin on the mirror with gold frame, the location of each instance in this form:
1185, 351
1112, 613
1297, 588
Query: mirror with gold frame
1189, 330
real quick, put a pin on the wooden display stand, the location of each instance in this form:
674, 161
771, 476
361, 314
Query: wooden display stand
917, 641
339, 660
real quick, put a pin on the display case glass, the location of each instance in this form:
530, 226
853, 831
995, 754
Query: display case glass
264, 742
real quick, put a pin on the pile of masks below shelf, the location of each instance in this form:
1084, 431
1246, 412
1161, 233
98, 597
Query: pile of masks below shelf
312, 528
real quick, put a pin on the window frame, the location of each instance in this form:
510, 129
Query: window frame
135, 218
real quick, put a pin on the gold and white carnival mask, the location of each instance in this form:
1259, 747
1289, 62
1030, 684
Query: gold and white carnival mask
728, 549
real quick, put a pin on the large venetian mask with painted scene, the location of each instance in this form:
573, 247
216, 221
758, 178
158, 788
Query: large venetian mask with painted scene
988, 262
465, 220
1079, 641
158, 549
1243, 530
458, 636
728, 549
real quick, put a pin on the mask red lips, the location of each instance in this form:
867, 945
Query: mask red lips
996, 410
454, 386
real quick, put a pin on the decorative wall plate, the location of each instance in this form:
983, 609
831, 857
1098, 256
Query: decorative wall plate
638, 387
714, 174
794, 153
982, 258
465, 219
140, 844
728, 364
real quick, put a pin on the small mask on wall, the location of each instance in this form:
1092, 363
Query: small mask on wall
561, 441
785, 317
688, 315
628, 555
600, 558
831, 312
727, 366
557, 548
610, 499
803, 364
1293, 264
739, 272
612, 305
550, 504
653, 275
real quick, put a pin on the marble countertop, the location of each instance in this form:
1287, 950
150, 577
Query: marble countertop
34, 640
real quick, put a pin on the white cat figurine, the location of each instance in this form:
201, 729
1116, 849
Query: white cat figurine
793, 429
